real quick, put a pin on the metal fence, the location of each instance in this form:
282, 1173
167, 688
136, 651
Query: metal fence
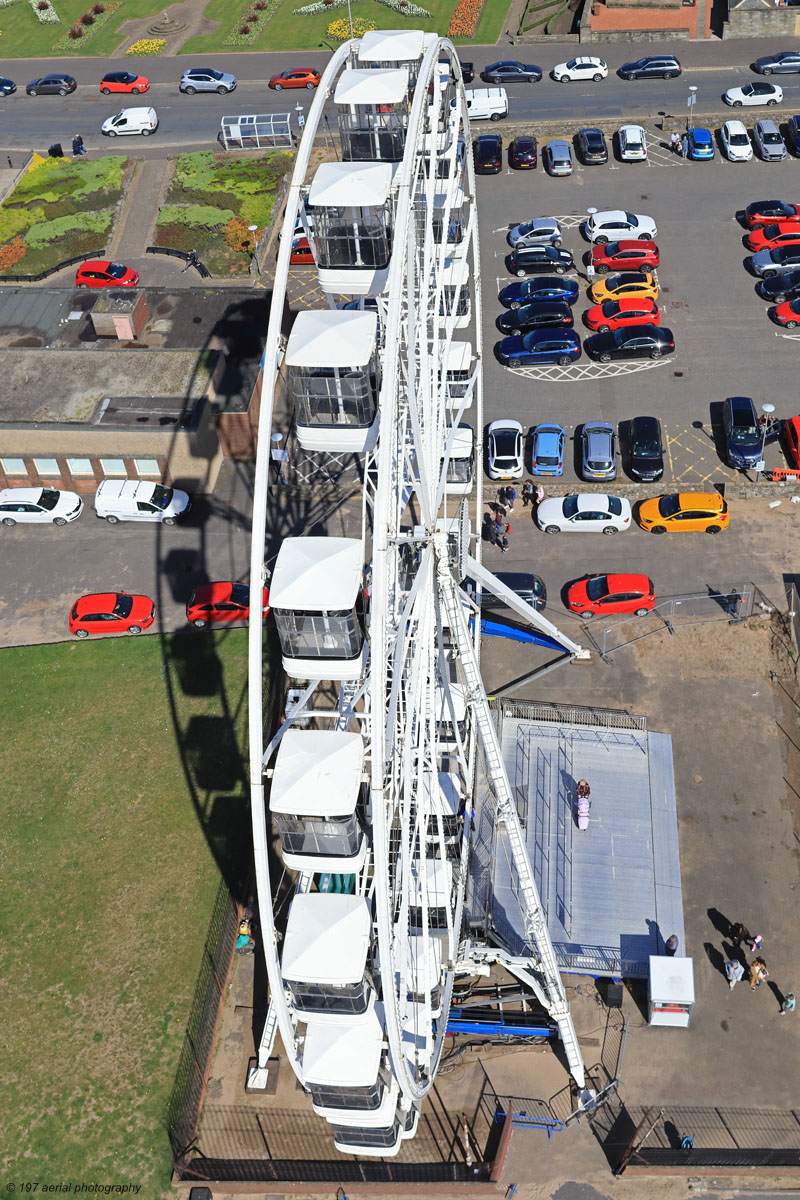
670, 615
694, 1138
256, 131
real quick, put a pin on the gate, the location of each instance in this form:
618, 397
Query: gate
670, 615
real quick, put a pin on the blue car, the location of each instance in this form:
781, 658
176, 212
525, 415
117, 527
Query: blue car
546, 287
562, 346
547, 452
701, 144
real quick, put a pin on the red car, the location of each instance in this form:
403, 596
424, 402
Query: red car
301, 255
305, 77
626, 256
124, 81
767, 237
791, 441
218, 603
787, 313
95, 273
612, 594
111, 612
522, 153
628, 310
768, 212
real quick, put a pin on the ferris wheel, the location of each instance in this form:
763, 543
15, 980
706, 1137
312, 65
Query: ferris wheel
371, 797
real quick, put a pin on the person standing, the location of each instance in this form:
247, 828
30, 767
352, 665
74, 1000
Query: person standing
78, 147
503, 539
675, 142
758, 973
192, 259
789, 1004
734, 971
685, 146
739, 934
527, 494
539, 495
756, 942
671, 945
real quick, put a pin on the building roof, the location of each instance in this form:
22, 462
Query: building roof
317, 773
327, 938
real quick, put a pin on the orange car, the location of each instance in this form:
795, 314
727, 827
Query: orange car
124, 81
305, 77
684, 512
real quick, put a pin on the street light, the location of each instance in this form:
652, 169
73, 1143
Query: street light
690, 103
767, 410
253, 229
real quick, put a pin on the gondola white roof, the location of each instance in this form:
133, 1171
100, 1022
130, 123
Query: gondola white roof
327, 938
438, 875
332, 338
317, 773
342, 1054
459, 356
425, 961
317, 574
372, 86
391, 45
456, 271
345, 184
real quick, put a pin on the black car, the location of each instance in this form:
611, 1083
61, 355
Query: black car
652, 66
646, 449
742, 432
7, 87
780, 288
527, 586
539, 314
511, 71
525, 260
632, 341
487, 152
522, 153
51, 85
785, 62
467, 71
793, 132
592, 146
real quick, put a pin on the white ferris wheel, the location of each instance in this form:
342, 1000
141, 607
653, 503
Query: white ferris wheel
371, 796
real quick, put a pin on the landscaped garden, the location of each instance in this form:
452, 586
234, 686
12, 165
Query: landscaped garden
212, 201
125, 802
60, 208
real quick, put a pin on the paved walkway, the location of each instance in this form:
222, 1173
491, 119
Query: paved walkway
144, 196
188, 14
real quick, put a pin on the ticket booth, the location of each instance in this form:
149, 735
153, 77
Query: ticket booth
670, 991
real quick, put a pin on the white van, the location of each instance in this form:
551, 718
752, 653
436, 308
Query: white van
131, 120
136, 500
486, 104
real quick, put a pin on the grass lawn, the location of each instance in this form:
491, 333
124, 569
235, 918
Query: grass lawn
125, 797
24, 36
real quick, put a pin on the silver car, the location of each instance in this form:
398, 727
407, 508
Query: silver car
598, 450
206, 79
557, 158
767, 263
771, 145
542, 231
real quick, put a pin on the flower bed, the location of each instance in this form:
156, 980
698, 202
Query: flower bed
44, 11
340, 30
146, 46
83, 29
251, 23
405, 7
465, 18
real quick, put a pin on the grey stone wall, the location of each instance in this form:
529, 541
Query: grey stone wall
774, 22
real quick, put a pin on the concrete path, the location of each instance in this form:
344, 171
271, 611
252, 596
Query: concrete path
137, 220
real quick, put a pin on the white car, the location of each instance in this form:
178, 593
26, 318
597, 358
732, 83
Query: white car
586, 512
580, 68
632, 143
18, 506
613, 225
505, 450
754, 93
131, 121
541, 231
136, 500
736, 142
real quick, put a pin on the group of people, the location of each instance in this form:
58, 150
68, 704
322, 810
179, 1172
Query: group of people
679, 145
499, 528
757, 972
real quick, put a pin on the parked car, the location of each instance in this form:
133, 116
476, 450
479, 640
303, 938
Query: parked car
541, 231
624, 283
619, 314
51, 85
587, 512
767, 212
539, 314
629, 256
631, 341
222, 603
131, 122
547, 450
652, 66
599, 594
767, 263
701, 144
781, 288
557, 158
298, 77
111, 612
7, 87
736, 142
525, 584
206, 79
767, 138
742, 432
467, 71
136, 500
511, 71
592, 146
487, 154
684, 512
583, 67
769, 237
753, 94
785, 62
549, 287
525, 260
793, 132
39, 506
522, 153
612, 224
632, 143
645, 449
790, 434
787, 314
504, 444
301, 254
98, 273
598, 450
540, 346
124, 81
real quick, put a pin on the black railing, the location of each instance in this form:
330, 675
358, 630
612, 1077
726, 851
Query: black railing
200, 267
67, 262
340, 1170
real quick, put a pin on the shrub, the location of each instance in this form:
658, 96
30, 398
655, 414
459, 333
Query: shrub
42, 6
75, 32
11, 253
98, 8
237, 235
148, 46
340, 30
87, 19
85, 222
204, 215
244, 30
14, 221
259, 5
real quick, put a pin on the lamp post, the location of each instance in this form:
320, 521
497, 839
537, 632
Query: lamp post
690, 103
767, 410
350, 18
278, 455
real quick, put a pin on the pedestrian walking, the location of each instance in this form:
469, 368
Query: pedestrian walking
675, 142
504, 542
192, 259
685, 146
789, 1004
758, 973
734, 971
671, 945
498, 529
528, 494
740, 933
756, 942
491, 532
78, 147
